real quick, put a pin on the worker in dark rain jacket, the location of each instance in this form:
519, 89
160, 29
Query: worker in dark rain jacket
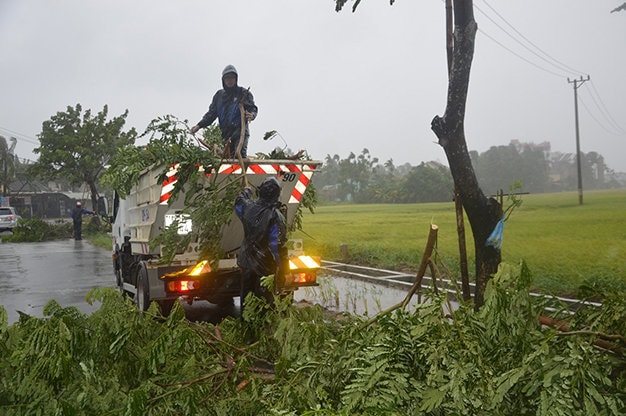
225, 108
263, 251
77, 217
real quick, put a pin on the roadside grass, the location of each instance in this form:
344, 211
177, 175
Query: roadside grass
565, 244
100, 239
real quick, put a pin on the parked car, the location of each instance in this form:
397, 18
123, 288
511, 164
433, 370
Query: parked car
8, 218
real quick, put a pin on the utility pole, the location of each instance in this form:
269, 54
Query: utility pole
577, 83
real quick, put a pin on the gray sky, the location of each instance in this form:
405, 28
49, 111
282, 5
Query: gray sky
328, 82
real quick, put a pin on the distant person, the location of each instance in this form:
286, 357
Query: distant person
225, 108
77, 217
263, 251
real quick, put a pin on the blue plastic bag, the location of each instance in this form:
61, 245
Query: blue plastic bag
495, 238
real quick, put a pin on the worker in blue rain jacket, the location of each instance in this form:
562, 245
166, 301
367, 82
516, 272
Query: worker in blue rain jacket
263, 251
77, 218
225, 107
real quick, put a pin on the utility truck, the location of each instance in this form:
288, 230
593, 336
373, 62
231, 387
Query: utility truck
149, 208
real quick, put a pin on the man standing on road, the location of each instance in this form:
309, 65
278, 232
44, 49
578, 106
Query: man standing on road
225, 108
77, 217
263, 251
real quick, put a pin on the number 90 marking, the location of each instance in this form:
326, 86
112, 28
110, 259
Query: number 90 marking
289, 176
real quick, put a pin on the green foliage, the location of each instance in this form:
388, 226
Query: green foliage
7, 164
426, 183
37, 229
549, 231
340, 3
77, 146
209, 204
306, 361
362, 179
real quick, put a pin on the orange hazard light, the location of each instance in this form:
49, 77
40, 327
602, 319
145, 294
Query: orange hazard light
202, 267
302, 271
304, 262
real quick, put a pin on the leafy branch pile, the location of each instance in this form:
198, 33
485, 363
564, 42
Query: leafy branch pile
305, 361
209, 203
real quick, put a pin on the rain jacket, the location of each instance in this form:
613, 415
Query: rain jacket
78, 212
225, 108
265, 234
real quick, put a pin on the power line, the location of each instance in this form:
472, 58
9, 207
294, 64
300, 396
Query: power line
20, 136
520, 56
595, 119
604, 110
555, 62
615, 129
522, 44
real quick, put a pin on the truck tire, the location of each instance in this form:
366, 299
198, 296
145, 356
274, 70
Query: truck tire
117, 269
142, 294
118, 281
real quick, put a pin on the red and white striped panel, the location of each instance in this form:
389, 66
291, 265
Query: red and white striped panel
168, 184
305, 171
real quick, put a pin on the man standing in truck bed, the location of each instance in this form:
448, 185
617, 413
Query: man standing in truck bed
263, 251
225, 108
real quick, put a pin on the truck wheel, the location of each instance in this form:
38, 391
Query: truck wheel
142, 295
118, 270
118, 280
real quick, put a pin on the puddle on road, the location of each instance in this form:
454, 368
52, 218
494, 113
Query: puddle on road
353, 296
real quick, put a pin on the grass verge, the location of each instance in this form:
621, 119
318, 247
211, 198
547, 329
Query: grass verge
566, 245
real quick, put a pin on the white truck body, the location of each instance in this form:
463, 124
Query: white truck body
145, 212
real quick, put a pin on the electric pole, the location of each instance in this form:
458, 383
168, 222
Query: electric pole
577, 83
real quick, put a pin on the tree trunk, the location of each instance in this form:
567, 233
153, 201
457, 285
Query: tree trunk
93, 190
483, 213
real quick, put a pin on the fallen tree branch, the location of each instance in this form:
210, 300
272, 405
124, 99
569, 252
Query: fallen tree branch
606, 341
426, 261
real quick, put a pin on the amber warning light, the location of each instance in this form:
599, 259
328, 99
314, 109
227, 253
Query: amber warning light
303, 271
188, 284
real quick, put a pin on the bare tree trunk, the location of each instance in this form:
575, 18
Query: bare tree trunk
483, 213
93, 190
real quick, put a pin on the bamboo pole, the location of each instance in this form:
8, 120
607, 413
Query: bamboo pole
242, 135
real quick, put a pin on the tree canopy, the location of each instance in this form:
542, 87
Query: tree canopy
77, 146
7, 165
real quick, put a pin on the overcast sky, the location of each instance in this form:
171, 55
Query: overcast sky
328, 82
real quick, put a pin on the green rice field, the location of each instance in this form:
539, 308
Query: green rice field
565, 244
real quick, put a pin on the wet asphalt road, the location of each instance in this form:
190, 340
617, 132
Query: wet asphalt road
31, 274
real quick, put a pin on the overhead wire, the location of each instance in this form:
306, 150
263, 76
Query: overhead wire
582, 101
545, 57
563, 73
555, 62
603, 109
520, 56
20, 136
